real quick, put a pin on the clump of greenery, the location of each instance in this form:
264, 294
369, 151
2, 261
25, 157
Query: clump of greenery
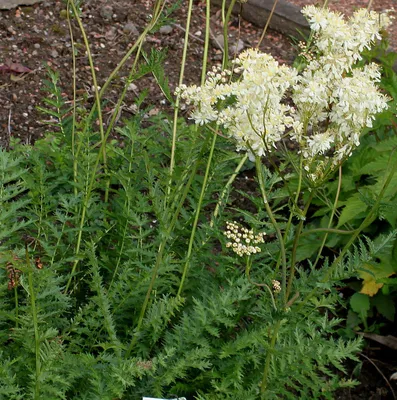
118, 278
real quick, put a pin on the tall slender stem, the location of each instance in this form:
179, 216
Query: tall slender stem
267, 23
225, 34
295, 245
331, 216
259, 172
196, 217
35, 328
181, 77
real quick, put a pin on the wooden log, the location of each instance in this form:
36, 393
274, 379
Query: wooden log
287, 17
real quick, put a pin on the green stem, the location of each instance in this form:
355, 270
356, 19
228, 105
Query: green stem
248, 266
295, 245
206, 40
16, 306
35, 328
294, 206
103, 143
328, 230
176, 110
269, 357
259, 172
198, 210
330, 218
226, 188
73, 48
267, 23
225, 32
94, 80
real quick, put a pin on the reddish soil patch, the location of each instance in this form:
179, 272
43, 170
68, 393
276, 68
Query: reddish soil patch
39, 35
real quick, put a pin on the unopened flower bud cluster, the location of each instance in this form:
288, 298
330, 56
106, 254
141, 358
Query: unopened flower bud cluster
243, 241
276, 286
332, 102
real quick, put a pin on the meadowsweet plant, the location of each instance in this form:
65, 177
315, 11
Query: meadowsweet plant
154, 267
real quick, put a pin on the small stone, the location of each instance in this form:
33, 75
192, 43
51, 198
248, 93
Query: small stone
237, 48
54, 53
35, 52
36, 45
106, 12
130, 29
132, 87
11, 30
166, 29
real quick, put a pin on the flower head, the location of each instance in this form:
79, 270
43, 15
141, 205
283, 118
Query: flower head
243, 241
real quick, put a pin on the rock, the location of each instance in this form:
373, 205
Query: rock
237, 48
130, 29
54, 53
166, 29
8, 4
234, 48
106, 12
219, 42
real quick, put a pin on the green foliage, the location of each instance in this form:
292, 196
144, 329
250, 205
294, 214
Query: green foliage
96, 236
87, 342
364, 180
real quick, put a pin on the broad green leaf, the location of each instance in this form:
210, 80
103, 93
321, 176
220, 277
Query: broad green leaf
353, 207
360, 304
385, 306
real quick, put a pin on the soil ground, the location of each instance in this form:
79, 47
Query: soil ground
38, 36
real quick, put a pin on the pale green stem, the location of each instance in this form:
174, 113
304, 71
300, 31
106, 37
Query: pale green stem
35, 328
198, 210
330, 218
267, 23
94, 80
16, 306
73, 48
206, 40
103, 143
289, 222
276, 227
328, 230
176, 109
248, 266
226, 188
225, 60
295, 245
127, 205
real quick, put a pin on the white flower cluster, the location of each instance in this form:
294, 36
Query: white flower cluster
276, 286
333, 102
243, 240
250, 108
